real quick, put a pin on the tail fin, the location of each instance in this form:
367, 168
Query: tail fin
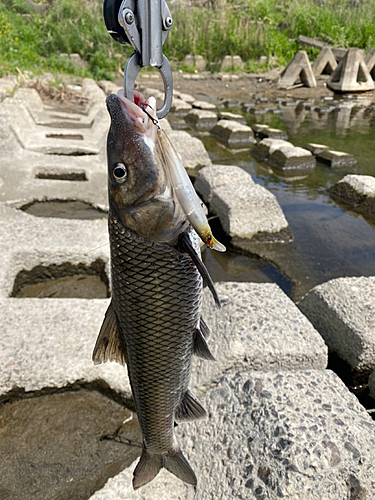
149, 466
180, 467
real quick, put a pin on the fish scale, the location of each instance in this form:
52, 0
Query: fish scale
157, 298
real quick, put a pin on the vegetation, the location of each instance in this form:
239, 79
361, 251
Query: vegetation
249, 28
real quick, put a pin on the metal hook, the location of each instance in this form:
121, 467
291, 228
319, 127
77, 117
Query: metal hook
133, 67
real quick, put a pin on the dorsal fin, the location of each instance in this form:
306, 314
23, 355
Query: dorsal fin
107, 347
188, 247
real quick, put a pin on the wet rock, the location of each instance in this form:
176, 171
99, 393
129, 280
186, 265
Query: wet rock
357, 191
247, 211
208, 106
343, 312
257, 328
201, 119
266, 147
233, 133
193, 153
64, 445
336, 159
271, 435
292, 159
225, 115
315, 148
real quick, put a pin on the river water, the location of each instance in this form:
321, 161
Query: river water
330, 239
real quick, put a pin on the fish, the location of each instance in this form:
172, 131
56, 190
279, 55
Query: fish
153, 324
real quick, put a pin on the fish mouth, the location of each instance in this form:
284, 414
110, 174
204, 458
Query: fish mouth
141, 113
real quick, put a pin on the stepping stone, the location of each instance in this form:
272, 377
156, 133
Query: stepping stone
192, 151
325, 63
351, 74
247, 211
266, 147
266, 132
336, 159
343, 312
225, 115
233, 133
201, 119
204, 105
185, 97
299, 67
180, 107
258, 328
247, 106
315, 148
292, 159
358, 191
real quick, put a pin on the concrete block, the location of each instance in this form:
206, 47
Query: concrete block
247, 211
306, 41
325, 62
315, 148
257, 328
282, 434
370, 62
339, 53
336, 159
233, 133
200, 63
343, 312
351, 74
208, 106
266, 147
193, 153
180, 107
189, 60
49, 343
299, 67
232, 61
266, 132
225, 115
358, 191
292, 159
201, 119
185, 97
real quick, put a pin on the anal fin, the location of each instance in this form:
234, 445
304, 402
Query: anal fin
190, 408
107, 347
204, 329
200, 346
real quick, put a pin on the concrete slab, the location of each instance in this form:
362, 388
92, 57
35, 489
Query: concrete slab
351, 74
336, 159
193, 153
357, 191
257, 328
343, 312
299, 67
247, 211
233, 133
201, 119
325, 63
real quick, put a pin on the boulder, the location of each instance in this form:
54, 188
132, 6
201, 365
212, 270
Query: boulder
357, 191
336, 159
201, 119
257, 328
343, 312
234, 134
247, 211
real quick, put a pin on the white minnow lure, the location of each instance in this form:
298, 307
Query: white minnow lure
185, 193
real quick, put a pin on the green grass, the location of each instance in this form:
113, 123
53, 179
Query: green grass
248, 28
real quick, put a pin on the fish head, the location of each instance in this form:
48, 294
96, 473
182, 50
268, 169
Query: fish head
139, 191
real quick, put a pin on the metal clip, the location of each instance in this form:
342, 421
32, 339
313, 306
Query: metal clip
146, 24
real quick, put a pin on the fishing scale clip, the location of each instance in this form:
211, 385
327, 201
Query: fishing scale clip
143, 24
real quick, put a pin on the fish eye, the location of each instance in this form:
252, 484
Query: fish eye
119, 172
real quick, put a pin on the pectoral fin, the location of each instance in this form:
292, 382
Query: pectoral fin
190, 408
107, 347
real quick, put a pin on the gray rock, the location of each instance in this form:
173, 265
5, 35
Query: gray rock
292, 159
201, 119
257, 328
282, 435
357, 191
193, 153
343, 312
247, 211
49, 343
233, 133
336, 159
